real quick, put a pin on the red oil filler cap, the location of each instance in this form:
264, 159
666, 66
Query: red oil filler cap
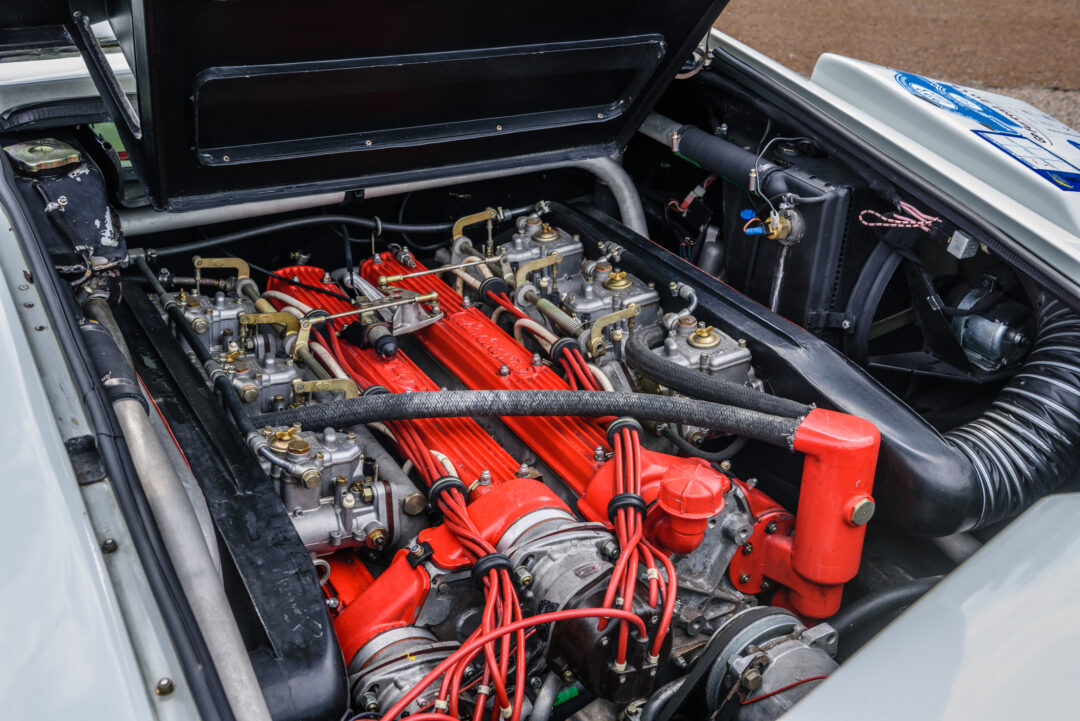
690, 494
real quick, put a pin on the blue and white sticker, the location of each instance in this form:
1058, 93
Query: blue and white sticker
1042, 161
956, 101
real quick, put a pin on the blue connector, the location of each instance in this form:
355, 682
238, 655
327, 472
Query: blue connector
746, 214
756, 230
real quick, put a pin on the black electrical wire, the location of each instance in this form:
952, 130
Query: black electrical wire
291, 281
348, 251
294, 223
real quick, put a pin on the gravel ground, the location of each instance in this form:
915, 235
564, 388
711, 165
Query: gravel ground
1027, 50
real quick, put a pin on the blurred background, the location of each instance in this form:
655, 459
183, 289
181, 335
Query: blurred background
1029, 49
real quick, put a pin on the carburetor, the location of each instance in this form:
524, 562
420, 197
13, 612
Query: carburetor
340, 489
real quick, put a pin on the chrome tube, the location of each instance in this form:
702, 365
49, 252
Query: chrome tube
143, 221
194, 566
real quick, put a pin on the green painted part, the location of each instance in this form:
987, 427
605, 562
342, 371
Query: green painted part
565, 695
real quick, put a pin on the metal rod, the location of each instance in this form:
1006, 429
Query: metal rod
145, 220
432, 297
388, 279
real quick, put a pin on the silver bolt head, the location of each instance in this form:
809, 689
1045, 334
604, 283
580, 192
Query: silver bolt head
862, 512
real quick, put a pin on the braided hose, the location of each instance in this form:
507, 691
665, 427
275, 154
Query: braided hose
1028, 442
777, 430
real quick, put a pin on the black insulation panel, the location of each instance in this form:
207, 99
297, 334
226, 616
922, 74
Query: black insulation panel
240, 100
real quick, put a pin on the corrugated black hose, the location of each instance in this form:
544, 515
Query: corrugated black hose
774, 429
1028, 442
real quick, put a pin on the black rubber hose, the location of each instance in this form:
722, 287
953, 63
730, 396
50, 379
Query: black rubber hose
772, 429
1028, 443
728, 159
878, 604
711, 456
698, 385
660, 698
293, 223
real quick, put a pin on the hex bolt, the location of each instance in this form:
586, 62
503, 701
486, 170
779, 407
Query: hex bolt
725, 466
368, 701
598, 453
747, 548
610, 549
537, 360
504, 370
200, 325
417, 550
311, 478
766, 584
744, 578
164, 686
414, 504
751, 680
523, 576
523, 471
771, 527
109, 545
536, 682
249, 393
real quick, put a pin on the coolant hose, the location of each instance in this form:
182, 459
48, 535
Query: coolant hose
877, 604
715, 154
774, 429
699, 385
1028, 442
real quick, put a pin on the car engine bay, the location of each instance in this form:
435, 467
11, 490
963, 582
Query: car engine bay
658, 438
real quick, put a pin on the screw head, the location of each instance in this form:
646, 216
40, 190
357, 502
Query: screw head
164, 686
771, 527
744, 578
109, 545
